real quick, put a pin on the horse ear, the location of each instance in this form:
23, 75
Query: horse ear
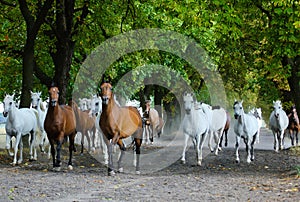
13, 95
242, 101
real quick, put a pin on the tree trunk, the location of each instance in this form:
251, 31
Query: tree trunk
27, 77
294, 79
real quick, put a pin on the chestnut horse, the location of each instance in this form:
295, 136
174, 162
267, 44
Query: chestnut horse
294, 125
117, 123
85, 124
153, 123
60, 122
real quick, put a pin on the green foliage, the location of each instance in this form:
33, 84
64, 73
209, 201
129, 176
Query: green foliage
246, 40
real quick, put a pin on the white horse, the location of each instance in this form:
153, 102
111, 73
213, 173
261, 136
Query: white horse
20, 122
38, 104
194, 125
245, 127
217, 119
96, 108
258, 115
84, 104
279, 121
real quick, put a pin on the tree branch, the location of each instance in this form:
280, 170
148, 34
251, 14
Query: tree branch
259, 5
44, 78
8, 3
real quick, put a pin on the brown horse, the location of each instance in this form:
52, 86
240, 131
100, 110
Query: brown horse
225, 132
153, 123
85, 124
117, 123
294, 125
60, 122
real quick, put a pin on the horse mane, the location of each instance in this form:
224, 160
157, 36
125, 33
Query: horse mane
42, 107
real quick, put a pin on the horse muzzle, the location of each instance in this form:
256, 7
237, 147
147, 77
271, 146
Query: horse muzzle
5, 114
236, 116
188, 111
105, 100
53, 103
34, 106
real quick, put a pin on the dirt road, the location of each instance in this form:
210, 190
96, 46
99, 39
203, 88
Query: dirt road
269, 178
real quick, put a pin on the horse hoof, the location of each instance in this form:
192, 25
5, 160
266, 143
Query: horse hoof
183, 162
138, 172
237, 161
111, 173
121, 170
70, 167
199, 163
56, 169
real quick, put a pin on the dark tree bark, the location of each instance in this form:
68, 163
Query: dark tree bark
33, 24
62, 30
294, 79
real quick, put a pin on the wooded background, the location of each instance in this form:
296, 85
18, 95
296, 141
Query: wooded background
254, 45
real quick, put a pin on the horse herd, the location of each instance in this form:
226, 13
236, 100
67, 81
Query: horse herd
104, 123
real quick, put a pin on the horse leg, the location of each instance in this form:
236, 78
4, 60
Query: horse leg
210, 140
291, 136
138, 142
200, 147
33, 156
51, 141
237, 145
8, 145
110, 159
221, 140
123, 149
296, 136
217, 140
281, 134
252, 147
21, 151
71, 148
58, 149
226, 138
87, 134
186, 138
82, 141
18, 139
152, 133
275, 141
104, 143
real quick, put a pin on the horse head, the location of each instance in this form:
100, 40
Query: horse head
238, 109
8, 103
106, 92
277, 108
96, 105
53, 96
35, 99
188, 102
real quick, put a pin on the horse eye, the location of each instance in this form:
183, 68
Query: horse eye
97, 104
240, 107
38, 99
10, 103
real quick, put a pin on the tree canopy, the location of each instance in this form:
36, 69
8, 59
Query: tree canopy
254, 45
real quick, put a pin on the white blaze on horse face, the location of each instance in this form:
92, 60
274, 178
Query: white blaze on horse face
53, 94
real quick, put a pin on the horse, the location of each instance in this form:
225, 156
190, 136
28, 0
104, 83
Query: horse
258, 115
279, 121
217, 119
20, 122
152, 122
84, 104
226, 129
245, 127
85, 124
37, 103
195, 125
117, 123
60, 122
294, 125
